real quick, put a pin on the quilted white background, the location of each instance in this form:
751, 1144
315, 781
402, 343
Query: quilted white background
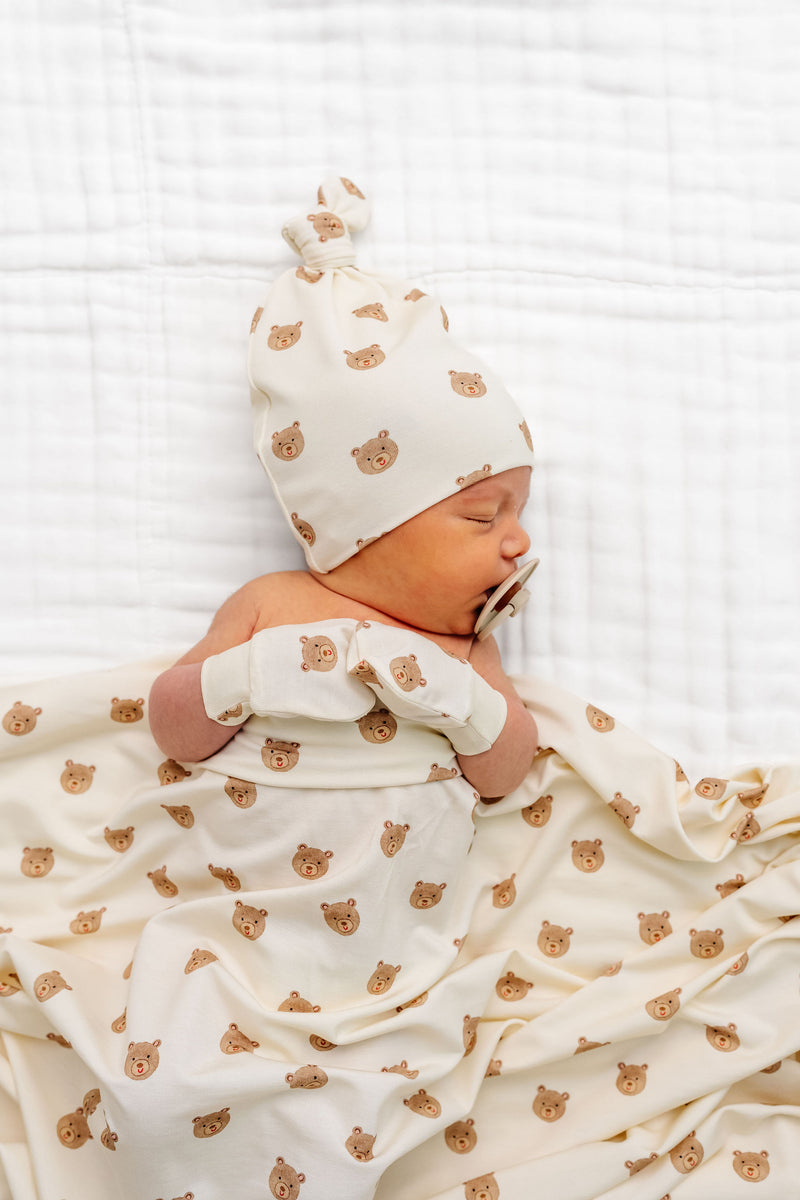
606, 196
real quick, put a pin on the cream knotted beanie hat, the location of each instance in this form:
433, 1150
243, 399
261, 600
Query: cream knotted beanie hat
366, 412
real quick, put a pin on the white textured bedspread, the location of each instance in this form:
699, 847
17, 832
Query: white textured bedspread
603, 194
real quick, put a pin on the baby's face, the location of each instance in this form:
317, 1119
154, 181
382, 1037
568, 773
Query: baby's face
437, 570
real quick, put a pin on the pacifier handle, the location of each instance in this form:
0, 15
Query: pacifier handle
505, 601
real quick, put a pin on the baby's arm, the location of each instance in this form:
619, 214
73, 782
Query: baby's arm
178, 719
499, 770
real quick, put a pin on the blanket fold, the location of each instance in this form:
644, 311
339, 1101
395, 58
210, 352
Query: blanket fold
222, 981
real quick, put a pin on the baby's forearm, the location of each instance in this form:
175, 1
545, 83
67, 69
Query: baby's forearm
499, 770
178, 719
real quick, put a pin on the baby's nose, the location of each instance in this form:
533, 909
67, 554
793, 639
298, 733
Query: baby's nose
518, 543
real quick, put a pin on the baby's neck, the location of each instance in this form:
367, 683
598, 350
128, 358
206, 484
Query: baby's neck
298, 598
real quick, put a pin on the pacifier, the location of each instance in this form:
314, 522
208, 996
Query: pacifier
505, 601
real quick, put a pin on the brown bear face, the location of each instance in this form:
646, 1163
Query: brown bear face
746, 829
127, 711
511, 987
120, 1023
342, 917
526, 433
76, 778
289, 443
423, 1104
730, 886
415, 1003
284, 1181
495, 1067
91, 1101
320, 1043
599, 720
376, 455
198, 958
181, 814
377, 726
415, 294
360, 1144
752, 797
469, 1033
109, 1139
584, 1044
654, 927
376, 311
706, 943
465, 383
406, 673
350, 187
305, 530
326, 225
739, 965
392, 838
624, 809
171, 771
711, 789
382, 978
256, 318
295, 1003
211, 1124
283, 337
665, 1006
363, 671
48, 984
309, 862
483, 1187
554, 940
58, 1038
549, 1105
119, 839
225, 875
438, 773
366, 359
240, 792
73, 1129
687, 1155
426, 895
280, 756
142, 1059
752, 1167
87, 922
588, 856
460, 1137
20, 719
10, 985
319, 653
465, 481
162, 883
631, 1078
233, 1041
639, 1164
37, 861
310, 1077
722, 1037
401, 1068
538, 813
249, 921
504, 893
309, 276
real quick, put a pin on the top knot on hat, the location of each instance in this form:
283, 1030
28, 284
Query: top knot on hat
322, 237
366, 411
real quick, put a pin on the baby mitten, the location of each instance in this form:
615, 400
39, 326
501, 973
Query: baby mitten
414, 678
285, 671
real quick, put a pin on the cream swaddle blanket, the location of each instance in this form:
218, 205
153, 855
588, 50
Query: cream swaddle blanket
220, 982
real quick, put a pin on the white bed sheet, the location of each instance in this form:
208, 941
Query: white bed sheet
605, 196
